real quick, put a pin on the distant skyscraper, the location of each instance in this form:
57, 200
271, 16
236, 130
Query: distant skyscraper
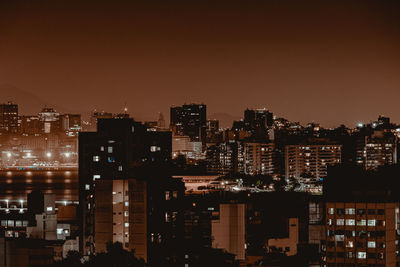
8, 118
190, 120
258, 121
50, 119
161, 121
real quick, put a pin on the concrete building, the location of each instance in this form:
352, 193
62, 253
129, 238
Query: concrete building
258, 158
123, 197
228, 231
287, 245
362, 217
8, 118
190, 120
310, 160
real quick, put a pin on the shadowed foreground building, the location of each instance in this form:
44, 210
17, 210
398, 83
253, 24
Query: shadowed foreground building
126, 194
362, 217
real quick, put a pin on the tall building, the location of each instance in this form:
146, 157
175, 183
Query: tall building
123, 194
310, 160
258, 158
50, 119
377, 149
190, 120
71, 123
8, 118
228, 231
258, 121
362, 217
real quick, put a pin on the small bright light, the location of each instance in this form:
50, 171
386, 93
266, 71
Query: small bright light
48, 154
67, 154
9, 155
360, 124
28, 154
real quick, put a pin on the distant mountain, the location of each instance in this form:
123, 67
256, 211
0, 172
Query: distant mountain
28, 103
225, 120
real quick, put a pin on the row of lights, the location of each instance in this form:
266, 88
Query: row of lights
48, 154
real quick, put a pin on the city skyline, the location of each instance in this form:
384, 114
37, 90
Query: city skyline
323, 62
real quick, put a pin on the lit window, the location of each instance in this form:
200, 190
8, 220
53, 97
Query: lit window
110, 149
120, 168
59, 231
126, 224
371, 222
371, 244
96, 176
331, 211
349, 244
350, 211
96, 158
111, 159
167, 195
350, 222
87, 187
340, 222
49, 208
361, 222
126, 203
126, 213
102, 148
153, 148
361, 255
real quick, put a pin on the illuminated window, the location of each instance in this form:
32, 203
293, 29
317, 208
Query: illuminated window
126, 203
361, 222
120, 168
96, 176
110, 149
349, 244
87, 187
49, 208
350, 211
102, 148
126, 224
371, 222
331, 211
167, 195
371, 244
361, 255
340, 222
350, 222
96, 158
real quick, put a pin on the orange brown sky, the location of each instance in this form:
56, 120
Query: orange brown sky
328, 61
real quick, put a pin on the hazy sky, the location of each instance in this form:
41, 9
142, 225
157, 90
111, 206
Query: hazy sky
327, 61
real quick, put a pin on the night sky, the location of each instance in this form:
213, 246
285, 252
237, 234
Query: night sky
327, 61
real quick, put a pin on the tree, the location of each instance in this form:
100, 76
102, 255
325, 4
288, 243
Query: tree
116, 256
